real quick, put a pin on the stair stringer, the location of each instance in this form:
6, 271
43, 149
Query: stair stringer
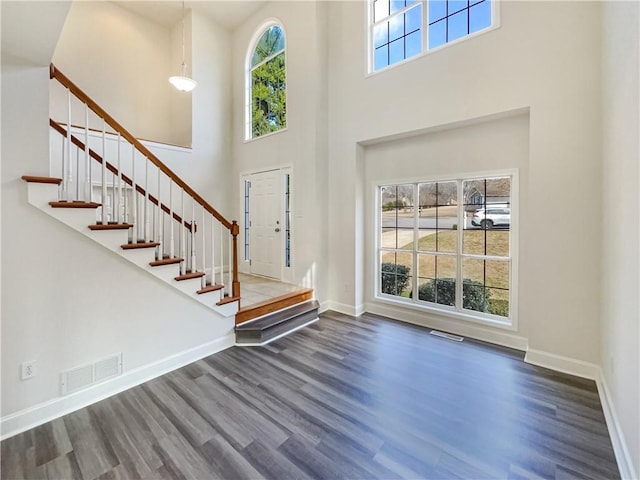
40, 194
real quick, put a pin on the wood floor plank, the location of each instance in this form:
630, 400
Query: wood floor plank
62, 467
344, 398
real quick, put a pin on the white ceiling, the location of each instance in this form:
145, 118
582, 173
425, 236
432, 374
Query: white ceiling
226, 13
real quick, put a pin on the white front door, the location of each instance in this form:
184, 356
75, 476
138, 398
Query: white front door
266, 232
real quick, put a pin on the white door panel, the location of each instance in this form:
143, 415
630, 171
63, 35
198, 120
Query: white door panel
266, 232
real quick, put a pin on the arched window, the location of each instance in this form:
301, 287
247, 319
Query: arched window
266, 84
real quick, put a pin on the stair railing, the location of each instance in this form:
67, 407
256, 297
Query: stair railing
137, 191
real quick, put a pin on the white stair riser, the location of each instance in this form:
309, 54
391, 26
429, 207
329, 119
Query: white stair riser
111, 239
77, 218
188, 286
210, 298
164, 272
139, 256
227, 309
39, 195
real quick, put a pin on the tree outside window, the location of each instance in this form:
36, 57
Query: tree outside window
268, 83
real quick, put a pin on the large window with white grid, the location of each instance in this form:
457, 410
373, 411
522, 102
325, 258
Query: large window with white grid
448, 245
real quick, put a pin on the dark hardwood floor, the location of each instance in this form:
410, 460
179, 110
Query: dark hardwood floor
344, 398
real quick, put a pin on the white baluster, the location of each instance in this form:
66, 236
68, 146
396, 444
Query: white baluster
66, 160
116, 213
182, 235
103, 185
213, 252
87, 157
78, 173
159, 224
194, 267
171, 221
61, 186
204, 250
134, 198
222, 259
146, 199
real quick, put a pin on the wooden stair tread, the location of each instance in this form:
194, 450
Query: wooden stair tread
273, 304
110, 226
62, 204
188, 276
33, 179
226, 300
210, 288
131, 246
166, 261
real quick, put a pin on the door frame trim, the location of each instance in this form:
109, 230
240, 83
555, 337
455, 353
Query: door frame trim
286, 273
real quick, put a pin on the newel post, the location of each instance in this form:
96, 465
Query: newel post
235, 284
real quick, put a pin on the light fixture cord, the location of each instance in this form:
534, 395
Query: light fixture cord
184, 65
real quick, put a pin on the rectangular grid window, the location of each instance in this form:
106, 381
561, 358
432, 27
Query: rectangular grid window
397, 27
449, 241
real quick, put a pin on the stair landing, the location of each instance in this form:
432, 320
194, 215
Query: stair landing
271, 309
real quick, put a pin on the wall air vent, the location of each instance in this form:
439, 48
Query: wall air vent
86, 375
448, 336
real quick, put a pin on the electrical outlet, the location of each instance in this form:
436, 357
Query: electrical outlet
28, 370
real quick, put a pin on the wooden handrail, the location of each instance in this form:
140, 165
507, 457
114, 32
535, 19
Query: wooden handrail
78, 143
64, 80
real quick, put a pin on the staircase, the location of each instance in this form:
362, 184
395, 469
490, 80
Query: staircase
109, 187
80, 216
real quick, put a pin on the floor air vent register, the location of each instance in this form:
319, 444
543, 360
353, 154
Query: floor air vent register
448, 336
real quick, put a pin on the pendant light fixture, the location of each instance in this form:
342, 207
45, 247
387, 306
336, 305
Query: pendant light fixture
182, 82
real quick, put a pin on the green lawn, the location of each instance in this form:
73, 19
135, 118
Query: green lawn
492, 273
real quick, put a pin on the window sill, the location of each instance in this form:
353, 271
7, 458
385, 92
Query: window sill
267, 135
497, 322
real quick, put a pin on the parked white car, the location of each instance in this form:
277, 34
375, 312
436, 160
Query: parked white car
490, 217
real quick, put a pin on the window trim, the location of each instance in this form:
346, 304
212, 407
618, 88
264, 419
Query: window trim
248, 68
369, 36
510, 323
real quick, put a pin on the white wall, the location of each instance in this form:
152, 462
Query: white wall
303, 145
555, 75
620, 240
123, 62
208, 170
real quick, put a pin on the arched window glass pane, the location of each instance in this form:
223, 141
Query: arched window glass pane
271, 42
268, 84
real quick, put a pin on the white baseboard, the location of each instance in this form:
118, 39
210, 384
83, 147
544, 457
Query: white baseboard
562, 364
592, 372
31, 417
324, 306
429, 320
354, 311
623, 456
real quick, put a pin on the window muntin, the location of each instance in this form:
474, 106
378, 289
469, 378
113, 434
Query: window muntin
401, 29
287, 220
247, 225
267, 107
422, 247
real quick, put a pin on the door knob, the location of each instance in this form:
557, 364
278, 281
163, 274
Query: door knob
277, 229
